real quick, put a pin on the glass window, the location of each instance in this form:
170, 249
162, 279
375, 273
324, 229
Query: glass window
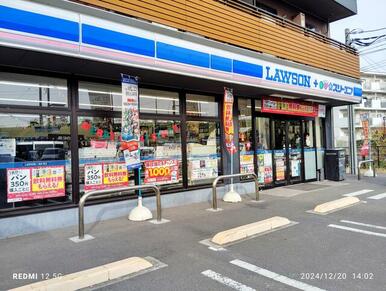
161, 152
245, 136
96, 96
101, 162
258, 105
262, 133
309, 151
200, 105
28, 90
308, 134
203, 151
319, 131
35, 160
159, 102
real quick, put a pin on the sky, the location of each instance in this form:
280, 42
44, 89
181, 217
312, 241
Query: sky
371, 15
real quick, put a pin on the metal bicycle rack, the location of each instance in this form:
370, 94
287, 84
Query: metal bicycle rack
365, 162
108, 193
214, 185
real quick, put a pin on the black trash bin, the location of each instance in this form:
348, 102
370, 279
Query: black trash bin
335, 164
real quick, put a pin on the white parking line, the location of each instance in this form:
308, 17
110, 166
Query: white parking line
276, 277
377, 197
364, 224
358, 230
226, 281
357, 193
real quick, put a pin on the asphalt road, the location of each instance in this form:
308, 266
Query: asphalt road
344, 250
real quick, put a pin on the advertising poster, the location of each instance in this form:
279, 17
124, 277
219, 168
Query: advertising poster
280, 161
115, 174
203, 169
35, 183
365, 125
130, 122
228, 121
295, 168
93, 177
289, 106
264, 166
161, 171
246, 164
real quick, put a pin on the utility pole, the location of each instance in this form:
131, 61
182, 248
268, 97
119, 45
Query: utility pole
351, 123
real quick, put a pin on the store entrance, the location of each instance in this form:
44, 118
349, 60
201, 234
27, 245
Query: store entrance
287, 142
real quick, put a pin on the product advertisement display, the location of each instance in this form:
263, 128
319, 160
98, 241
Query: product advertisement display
35, 183
130, 122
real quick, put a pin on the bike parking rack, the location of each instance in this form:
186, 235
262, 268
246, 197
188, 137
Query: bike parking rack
365, 162
214, 185
108, 193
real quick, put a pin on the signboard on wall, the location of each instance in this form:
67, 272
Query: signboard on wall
31, 183
288, 106
130, 122
161, 171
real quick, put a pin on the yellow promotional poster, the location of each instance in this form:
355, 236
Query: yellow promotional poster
48, 179
115, 174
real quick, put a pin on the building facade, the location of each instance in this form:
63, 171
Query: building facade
373, 104
61, 98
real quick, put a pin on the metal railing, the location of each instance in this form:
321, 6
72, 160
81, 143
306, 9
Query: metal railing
365, 162
214, 185
108, 193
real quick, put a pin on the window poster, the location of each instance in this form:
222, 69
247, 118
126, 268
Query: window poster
264, 166
246, 163
105, 175
280, 160
203, 169
93, 177
161, 171
295, 168
31, 183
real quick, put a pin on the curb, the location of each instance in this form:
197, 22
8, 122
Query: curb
90, 277
248, 230
335, 204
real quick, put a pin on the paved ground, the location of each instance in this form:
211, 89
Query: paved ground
331, 252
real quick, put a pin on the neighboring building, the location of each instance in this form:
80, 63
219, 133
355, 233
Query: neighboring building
61, 98
373, 103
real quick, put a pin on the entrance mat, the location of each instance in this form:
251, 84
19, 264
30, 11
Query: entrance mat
307, 187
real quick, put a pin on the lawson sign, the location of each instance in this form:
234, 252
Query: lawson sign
67, 31
317, 82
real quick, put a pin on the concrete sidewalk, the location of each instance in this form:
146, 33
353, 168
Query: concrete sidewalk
48, 253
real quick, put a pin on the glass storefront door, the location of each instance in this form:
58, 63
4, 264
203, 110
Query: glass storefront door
287, 151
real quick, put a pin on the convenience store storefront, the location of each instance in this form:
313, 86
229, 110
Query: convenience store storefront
61, 109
